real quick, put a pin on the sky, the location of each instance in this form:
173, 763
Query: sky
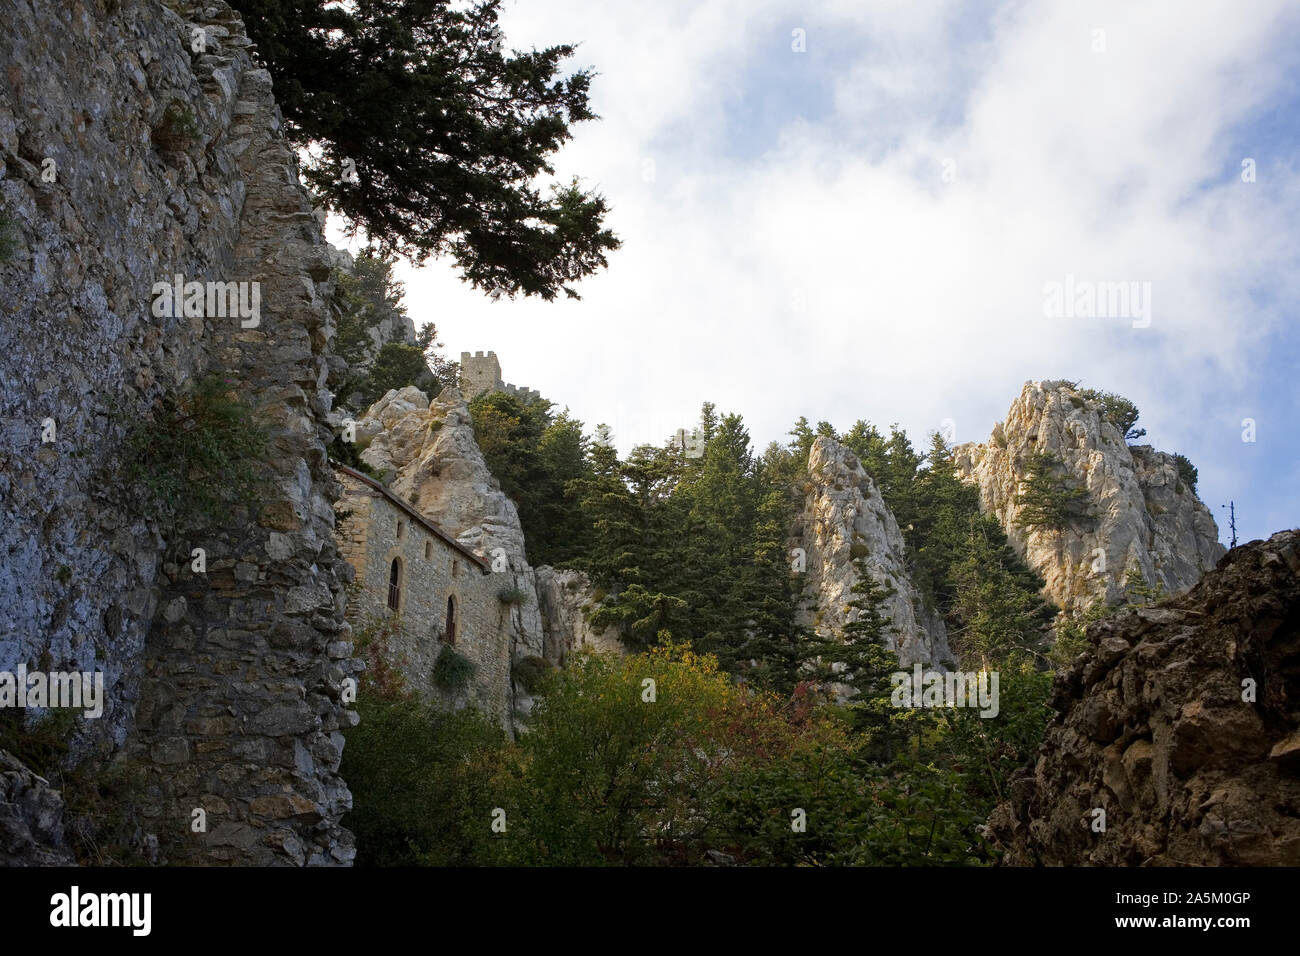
858, 209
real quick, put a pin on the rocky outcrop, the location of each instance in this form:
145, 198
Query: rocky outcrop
565, 599
844, 517
1181, 724
31, 818
431, 460
1143, 516
166, 157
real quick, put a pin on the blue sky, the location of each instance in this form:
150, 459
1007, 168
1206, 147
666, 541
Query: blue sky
798, 250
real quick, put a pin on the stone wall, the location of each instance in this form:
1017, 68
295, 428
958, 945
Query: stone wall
429, 451
432, 570
225, 686
479, 373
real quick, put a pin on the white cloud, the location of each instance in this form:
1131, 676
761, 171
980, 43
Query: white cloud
920, 300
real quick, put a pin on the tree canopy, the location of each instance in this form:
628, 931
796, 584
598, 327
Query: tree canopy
419, 129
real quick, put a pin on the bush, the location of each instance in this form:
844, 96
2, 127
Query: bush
1117, 410
512, 596
345, 453
531, 671
453, 670
422, 783
1186, 471
1072, 633
178, 128
40, 742
198, 458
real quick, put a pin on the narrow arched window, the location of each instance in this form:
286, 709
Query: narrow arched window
428, 550
449, 634
395, 585
401, 530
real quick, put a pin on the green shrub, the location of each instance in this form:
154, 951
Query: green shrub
512, 596
453, 670
345, 453
103, 807
178, 128
41, 742
530, 671
858, 550
1186, 471
199, 457
422, 783
1072, 633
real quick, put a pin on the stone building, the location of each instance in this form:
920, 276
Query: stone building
444, 595
481, 373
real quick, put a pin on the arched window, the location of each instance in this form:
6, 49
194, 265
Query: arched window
449, 632
428, 550
395, 585
401, 530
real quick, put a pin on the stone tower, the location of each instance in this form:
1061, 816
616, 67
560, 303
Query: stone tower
479, 373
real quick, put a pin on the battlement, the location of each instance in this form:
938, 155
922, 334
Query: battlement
525, 395
480, 373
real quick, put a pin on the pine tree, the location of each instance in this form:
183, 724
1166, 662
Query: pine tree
995, 617
865, 636
432, 139
1049, 500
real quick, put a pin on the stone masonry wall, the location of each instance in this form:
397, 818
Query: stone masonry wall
225, 687
432, 571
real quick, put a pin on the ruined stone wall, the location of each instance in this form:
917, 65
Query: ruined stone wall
431, 572
226, 686
479, 373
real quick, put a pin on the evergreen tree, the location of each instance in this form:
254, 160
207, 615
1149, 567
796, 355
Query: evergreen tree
537, 457
432, 139
864, 641
396, 366
1117, 410
995, 618
1049, 500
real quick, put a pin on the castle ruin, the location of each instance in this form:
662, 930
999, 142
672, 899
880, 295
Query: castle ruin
481, 373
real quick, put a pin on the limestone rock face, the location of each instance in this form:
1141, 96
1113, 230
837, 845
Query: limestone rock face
563, 597
1144, 517
31, 818
435, 464
167, 161
1152, 727
844, 515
